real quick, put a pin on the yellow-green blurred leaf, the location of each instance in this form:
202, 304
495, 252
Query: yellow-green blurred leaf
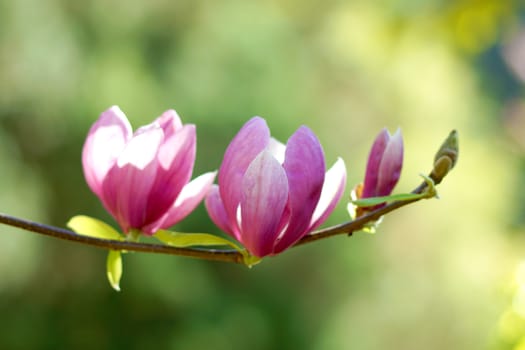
88, 226
114, 269
182, 240
429, 192
250, 260
367, 202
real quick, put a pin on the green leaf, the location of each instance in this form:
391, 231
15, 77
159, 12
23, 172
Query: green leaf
88, 226
368, 202
114, 269
250, 260
429, 192
182, 240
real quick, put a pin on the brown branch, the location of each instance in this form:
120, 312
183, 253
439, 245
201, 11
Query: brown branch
60, 233
359, 223
443, 162
207, 254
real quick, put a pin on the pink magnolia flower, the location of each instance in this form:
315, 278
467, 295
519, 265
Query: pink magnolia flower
384, 165
142, 178
271, 195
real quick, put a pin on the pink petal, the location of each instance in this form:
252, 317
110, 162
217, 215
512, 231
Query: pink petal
170, 122
305, 168
333, 189
177, 145
176, 158
191, 195
374, 161
277, 149
245, 146
265, 193
105, 141
217, 213
127, 186
391, 164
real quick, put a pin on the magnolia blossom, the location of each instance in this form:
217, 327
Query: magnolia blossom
271, 195
384, 165
142, 177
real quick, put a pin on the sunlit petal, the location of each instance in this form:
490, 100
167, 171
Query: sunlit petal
305, 168
176, 158
333, 189
128, 184
170, 122
391, 164
217, 213
191, 195
265, 193
374, 161
251, 140
105, 141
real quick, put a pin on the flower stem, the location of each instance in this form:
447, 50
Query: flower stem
360, 222
60, 233
207, 254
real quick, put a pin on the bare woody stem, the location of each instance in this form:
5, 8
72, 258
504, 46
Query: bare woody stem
359, 223
208, 254
444, 161
61, 233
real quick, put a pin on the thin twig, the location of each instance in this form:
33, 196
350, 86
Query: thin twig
444, 161
207, 254
60, 233
359, 223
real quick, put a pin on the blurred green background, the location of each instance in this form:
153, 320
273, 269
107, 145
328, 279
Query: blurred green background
440, 274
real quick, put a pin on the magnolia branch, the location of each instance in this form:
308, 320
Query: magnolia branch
207, 254
444, 161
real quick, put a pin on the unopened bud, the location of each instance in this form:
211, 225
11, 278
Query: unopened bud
446, 157
384, 164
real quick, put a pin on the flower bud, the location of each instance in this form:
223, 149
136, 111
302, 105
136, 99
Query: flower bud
384, 165
446, 157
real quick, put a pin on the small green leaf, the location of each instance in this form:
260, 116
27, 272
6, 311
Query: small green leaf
250, 260
429, 192
368, 202
371, 227
114, 269
182, 240
88, 226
